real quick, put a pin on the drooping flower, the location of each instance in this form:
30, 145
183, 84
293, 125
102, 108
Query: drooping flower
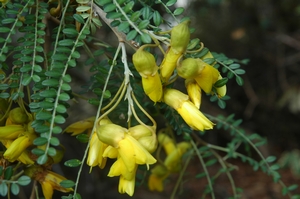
158, 174
194, 92
188, 111
81, 126
49, 180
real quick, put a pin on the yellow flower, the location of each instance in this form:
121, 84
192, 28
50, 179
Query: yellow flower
97, 148
180, 37
173, 160
81, 126
188, 111
158, 174
169, 64
11, 131
194, 92
18, 146
145, 135
144, 63
153, 87
167, 143
208, 76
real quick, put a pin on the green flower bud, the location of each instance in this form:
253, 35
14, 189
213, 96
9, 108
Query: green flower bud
180, 37
111, 134
189, 68
18, 116
144, 62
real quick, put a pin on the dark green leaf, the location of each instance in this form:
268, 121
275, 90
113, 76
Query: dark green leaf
239, 80
114, 15
26, 80
48, 93
143, 24
66, 42
109, 7
64, 97
131, 35
42, 115
50, 82
84, 138
171, 2
123, 26
239, 71
56, 130
78, 18
4, 29
3, 189
67, 78
146, 38
61, 108
46, 105
157, 18
221, 82
36, 78
40, 141
38, 151
70, 31
72, 163
135, 16
8, 173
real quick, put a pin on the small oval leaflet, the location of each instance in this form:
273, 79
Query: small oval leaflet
72, 163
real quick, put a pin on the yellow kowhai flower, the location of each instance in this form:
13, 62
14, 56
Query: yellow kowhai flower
49, 180
166, 142
96, 148
11, 131
158, 174
81, 126
145, 135
194, 92
18, 146
188, 111
172, 161
145, 64
25, 155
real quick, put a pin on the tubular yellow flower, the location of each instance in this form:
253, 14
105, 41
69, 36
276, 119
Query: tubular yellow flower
169, 64
11, 131
188, 111
18, 146
127, 186
208, 76
167, 143
80, 126
153, 87
194, 92
158, 174
172, 161
95, 153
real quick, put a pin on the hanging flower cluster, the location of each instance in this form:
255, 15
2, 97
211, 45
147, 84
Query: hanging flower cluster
198, 74
171, 164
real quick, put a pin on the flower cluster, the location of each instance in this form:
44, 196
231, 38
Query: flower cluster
130, 147
171, 164
198, 76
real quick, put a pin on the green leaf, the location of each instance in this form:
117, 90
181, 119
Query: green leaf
36, 78
178, 11
128, 7
38, 151
8, 20
43, 115
221, 82
84, 138
3, 189
54, 141
131, 35
56, 130
146, 38
123, 26
15, 189
26, 80
4, 95
270, 159
70, 31
72, 163
234, 66
40, 141
113, 15
66, 42
239, 80
171, 2
135, 16
239, 71
157, 19
50, 82
78, 18
64, 97
109, 7
8, 173
51, 151
42, 159
143, 24
75, 55
48, 93
293, 187
67, 183
65, 87
61, 108
59, 119
46, 105
67, 78
4, 29
83, 8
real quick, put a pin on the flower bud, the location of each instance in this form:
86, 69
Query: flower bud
152, 87
11, 131
194, 91
149, 142
208, 76
221, 91
169, 64
189, 68
167, 143
18, 116
140, 131
180, 37
111, 134
144, 62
